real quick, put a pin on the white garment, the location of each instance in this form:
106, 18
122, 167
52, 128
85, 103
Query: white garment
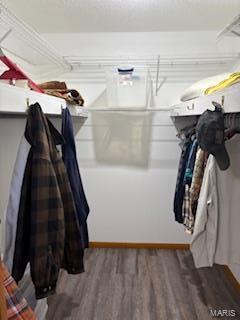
26, 285
216, 232
14, 200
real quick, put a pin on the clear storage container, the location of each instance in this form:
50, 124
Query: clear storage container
128, 87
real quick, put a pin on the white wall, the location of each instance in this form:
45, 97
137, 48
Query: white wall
129, 164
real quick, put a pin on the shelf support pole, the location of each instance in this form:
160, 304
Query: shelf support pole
158, 84
5, 35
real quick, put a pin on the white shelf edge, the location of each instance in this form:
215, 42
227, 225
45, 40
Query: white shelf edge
13, 100
197, 106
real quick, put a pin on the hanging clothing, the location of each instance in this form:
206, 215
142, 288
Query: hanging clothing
232, 121
215, 238
16, 305
3, 304
13, 202
192, 191
180, 186
188, 219
190, 163
47, 229
70, 160
198, 172
186, 209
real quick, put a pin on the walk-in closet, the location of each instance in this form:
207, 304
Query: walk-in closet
119, 159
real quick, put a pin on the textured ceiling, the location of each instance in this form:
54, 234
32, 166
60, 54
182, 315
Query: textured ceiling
58, 16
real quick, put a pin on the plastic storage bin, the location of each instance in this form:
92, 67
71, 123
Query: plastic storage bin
128, 88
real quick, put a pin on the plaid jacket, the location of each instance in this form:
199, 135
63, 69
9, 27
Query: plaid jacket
48, 232
17, 307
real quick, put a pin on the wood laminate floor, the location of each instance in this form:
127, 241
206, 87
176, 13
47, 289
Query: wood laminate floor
129, 284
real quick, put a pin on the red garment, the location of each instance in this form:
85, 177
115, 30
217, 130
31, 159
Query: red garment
16, 73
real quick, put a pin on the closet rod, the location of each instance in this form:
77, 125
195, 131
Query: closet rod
82, 65
128, 110
101, 72
101, 80
99, 59
98, 64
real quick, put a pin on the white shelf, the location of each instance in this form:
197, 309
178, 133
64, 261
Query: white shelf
13, 100
199, 105
26, 43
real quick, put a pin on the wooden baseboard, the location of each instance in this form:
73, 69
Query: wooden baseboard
134, 245
231, 277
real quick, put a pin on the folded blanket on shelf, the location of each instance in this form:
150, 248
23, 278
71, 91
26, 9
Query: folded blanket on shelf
198, 88
60, 90
228, 82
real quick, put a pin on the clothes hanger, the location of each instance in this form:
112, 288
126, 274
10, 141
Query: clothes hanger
219, 106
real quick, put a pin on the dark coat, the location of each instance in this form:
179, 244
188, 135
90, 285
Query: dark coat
48, 231
70, 159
